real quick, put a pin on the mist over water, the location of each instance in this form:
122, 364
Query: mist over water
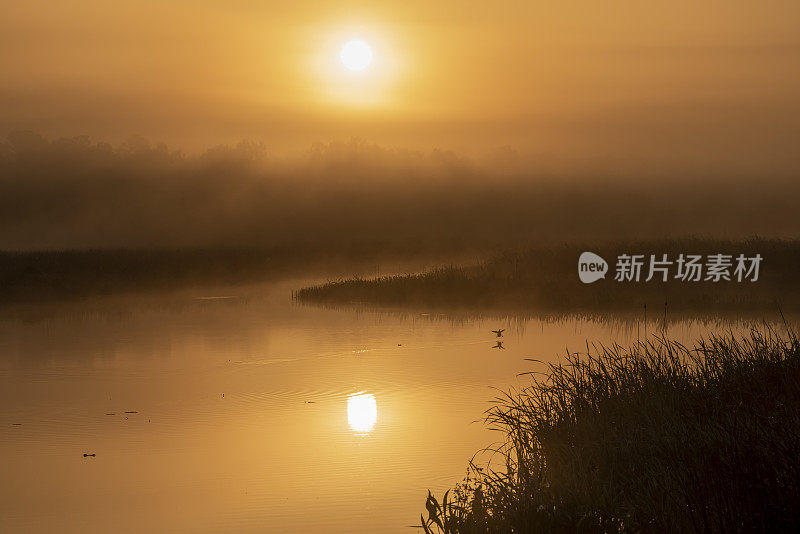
252, 281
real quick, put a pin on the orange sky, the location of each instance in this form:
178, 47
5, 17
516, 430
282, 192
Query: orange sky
692, 80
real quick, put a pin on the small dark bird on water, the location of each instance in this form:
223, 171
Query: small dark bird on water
499, 346
86, 454
499, 332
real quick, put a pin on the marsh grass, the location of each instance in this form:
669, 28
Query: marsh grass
544, 279
656, 437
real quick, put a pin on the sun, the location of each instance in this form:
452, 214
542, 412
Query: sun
356, 67
356, 55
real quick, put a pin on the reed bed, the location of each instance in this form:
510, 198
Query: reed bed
545, 279
656, 437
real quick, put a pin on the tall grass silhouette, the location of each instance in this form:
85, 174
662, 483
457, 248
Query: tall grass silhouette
656, 437
544, 279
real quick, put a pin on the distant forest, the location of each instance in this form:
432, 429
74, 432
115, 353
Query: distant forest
79, 193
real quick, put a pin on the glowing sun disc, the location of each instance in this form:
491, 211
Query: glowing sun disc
356, 55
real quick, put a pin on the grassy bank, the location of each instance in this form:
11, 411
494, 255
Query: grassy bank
654, 438
545, 279
57, 275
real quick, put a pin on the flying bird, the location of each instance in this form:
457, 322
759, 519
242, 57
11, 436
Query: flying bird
499, 332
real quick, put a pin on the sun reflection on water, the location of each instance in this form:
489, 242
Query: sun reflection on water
362, 412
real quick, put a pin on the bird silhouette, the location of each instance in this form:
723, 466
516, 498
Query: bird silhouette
499, 346
499, 332
85, 454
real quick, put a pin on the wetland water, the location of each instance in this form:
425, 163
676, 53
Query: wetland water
252, 413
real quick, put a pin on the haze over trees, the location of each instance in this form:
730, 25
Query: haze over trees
82, 193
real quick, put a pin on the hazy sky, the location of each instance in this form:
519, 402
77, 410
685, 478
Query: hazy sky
708, 83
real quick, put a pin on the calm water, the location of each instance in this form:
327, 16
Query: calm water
252, 414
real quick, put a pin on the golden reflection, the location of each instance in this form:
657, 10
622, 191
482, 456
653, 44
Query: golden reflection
362, 412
